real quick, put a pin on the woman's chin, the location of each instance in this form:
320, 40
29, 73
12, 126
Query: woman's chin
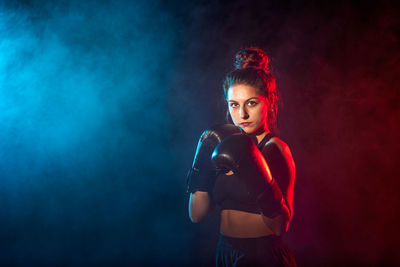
254, 131
248, 130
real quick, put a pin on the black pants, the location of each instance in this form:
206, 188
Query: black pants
261, 251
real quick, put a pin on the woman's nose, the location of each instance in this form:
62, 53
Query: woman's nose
243, 113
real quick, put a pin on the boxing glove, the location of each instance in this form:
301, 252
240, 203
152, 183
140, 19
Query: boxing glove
239, 153
201, 176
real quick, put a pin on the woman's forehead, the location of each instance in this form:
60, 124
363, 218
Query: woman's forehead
241, 92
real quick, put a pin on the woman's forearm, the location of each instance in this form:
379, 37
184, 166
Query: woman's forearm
200, 205
279, 224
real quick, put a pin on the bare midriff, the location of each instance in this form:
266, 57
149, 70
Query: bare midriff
241, 224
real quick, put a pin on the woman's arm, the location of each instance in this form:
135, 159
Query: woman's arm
201, 177
200, 205
281, 164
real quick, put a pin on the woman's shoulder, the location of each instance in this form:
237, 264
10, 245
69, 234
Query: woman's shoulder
282, 147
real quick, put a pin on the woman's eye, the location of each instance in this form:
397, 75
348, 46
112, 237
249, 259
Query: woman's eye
252, 103
233, 105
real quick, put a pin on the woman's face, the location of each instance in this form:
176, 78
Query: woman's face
248, 109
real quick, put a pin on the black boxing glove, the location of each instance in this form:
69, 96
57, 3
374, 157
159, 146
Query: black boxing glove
239, 153
201, 176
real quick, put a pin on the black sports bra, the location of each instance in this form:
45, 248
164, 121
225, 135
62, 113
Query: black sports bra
230, 191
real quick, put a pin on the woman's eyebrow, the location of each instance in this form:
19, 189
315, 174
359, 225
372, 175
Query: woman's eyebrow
254, 97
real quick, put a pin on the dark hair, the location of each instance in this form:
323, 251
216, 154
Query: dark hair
251, 68
252, 57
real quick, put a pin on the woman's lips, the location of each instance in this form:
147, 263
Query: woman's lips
245, 124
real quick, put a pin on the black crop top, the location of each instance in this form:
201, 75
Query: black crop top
230, 191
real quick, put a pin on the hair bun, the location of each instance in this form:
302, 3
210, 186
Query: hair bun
252, 57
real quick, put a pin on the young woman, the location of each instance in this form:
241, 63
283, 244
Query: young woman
246, 170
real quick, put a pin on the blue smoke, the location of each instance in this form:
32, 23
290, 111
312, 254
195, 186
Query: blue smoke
84, 163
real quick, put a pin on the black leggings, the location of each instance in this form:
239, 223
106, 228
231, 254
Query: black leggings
260, 251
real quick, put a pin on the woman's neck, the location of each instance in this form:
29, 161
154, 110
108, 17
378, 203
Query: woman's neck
260, 134
260, 137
